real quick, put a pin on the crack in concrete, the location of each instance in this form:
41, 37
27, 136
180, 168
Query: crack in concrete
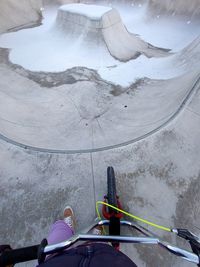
50, 79
93, 75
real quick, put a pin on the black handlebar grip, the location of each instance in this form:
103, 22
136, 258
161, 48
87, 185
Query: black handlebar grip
19, 255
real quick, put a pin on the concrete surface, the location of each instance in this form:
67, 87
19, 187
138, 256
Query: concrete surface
158, 177
178, 7
14, 14
85, 116
183, 7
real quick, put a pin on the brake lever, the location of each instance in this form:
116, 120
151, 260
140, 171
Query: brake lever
187, 235
191, 238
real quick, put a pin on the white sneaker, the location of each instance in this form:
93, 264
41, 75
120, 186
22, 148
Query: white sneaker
98, 230
69, 217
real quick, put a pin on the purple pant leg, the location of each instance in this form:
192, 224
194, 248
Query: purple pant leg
59, 232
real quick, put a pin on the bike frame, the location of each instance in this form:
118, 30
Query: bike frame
148, 238
113, 219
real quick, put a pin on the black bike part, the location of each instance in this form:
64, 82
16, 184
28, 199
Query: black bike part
111, 194
184, 233
195, 248
19, 255
4, 248
114, 229
193, 240
41, 255
195, 245
114, 225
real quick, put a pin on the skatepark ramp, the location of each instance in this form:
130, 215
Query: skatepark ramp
190, 55
17, 13
191, 7
106, 28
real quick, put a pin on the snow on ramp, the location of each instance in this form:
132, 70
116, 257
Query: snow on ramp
86, 115
60, 44
89, 113
104, 25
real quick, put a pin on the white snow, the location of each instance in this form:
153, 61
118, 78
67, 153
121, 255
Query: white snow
170, 31
44, 49
157, 176
154, 68
90, 11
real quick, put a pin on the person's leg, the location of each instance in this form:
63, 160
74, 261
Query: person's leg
59, 232
62, 229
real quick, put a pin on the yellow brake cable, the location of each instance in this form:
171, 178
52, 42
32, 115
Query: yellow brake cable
131, 215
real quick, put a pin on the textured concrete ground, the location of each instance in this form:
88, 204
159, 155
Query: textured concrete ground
84, 113
14, 14
158, 177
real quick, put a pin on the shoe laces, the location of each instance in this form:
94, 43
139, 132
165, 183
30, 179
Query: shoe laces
69, 221
96, 231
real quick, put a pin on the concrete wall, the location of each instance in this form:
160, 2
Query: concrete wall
15, 13
60, 2
178, 6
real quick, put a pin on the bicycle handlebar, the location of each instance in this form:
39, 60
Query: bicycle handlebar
33, 252
19, 255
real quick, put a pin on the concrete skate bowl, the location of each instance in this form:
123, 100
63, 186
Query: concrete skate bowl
14, 14
69, 104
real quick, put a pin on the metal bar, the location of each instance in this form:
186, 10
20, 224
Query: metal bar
189, 256
134, 225
121, 239
96, 238
61, 246
139, 228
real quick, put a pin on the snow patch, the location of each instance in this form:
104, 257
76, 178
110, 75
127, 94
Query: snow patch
90, 11
44, 49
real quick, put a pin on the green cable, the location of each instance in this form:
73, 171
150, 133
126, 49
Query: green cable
130, 215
